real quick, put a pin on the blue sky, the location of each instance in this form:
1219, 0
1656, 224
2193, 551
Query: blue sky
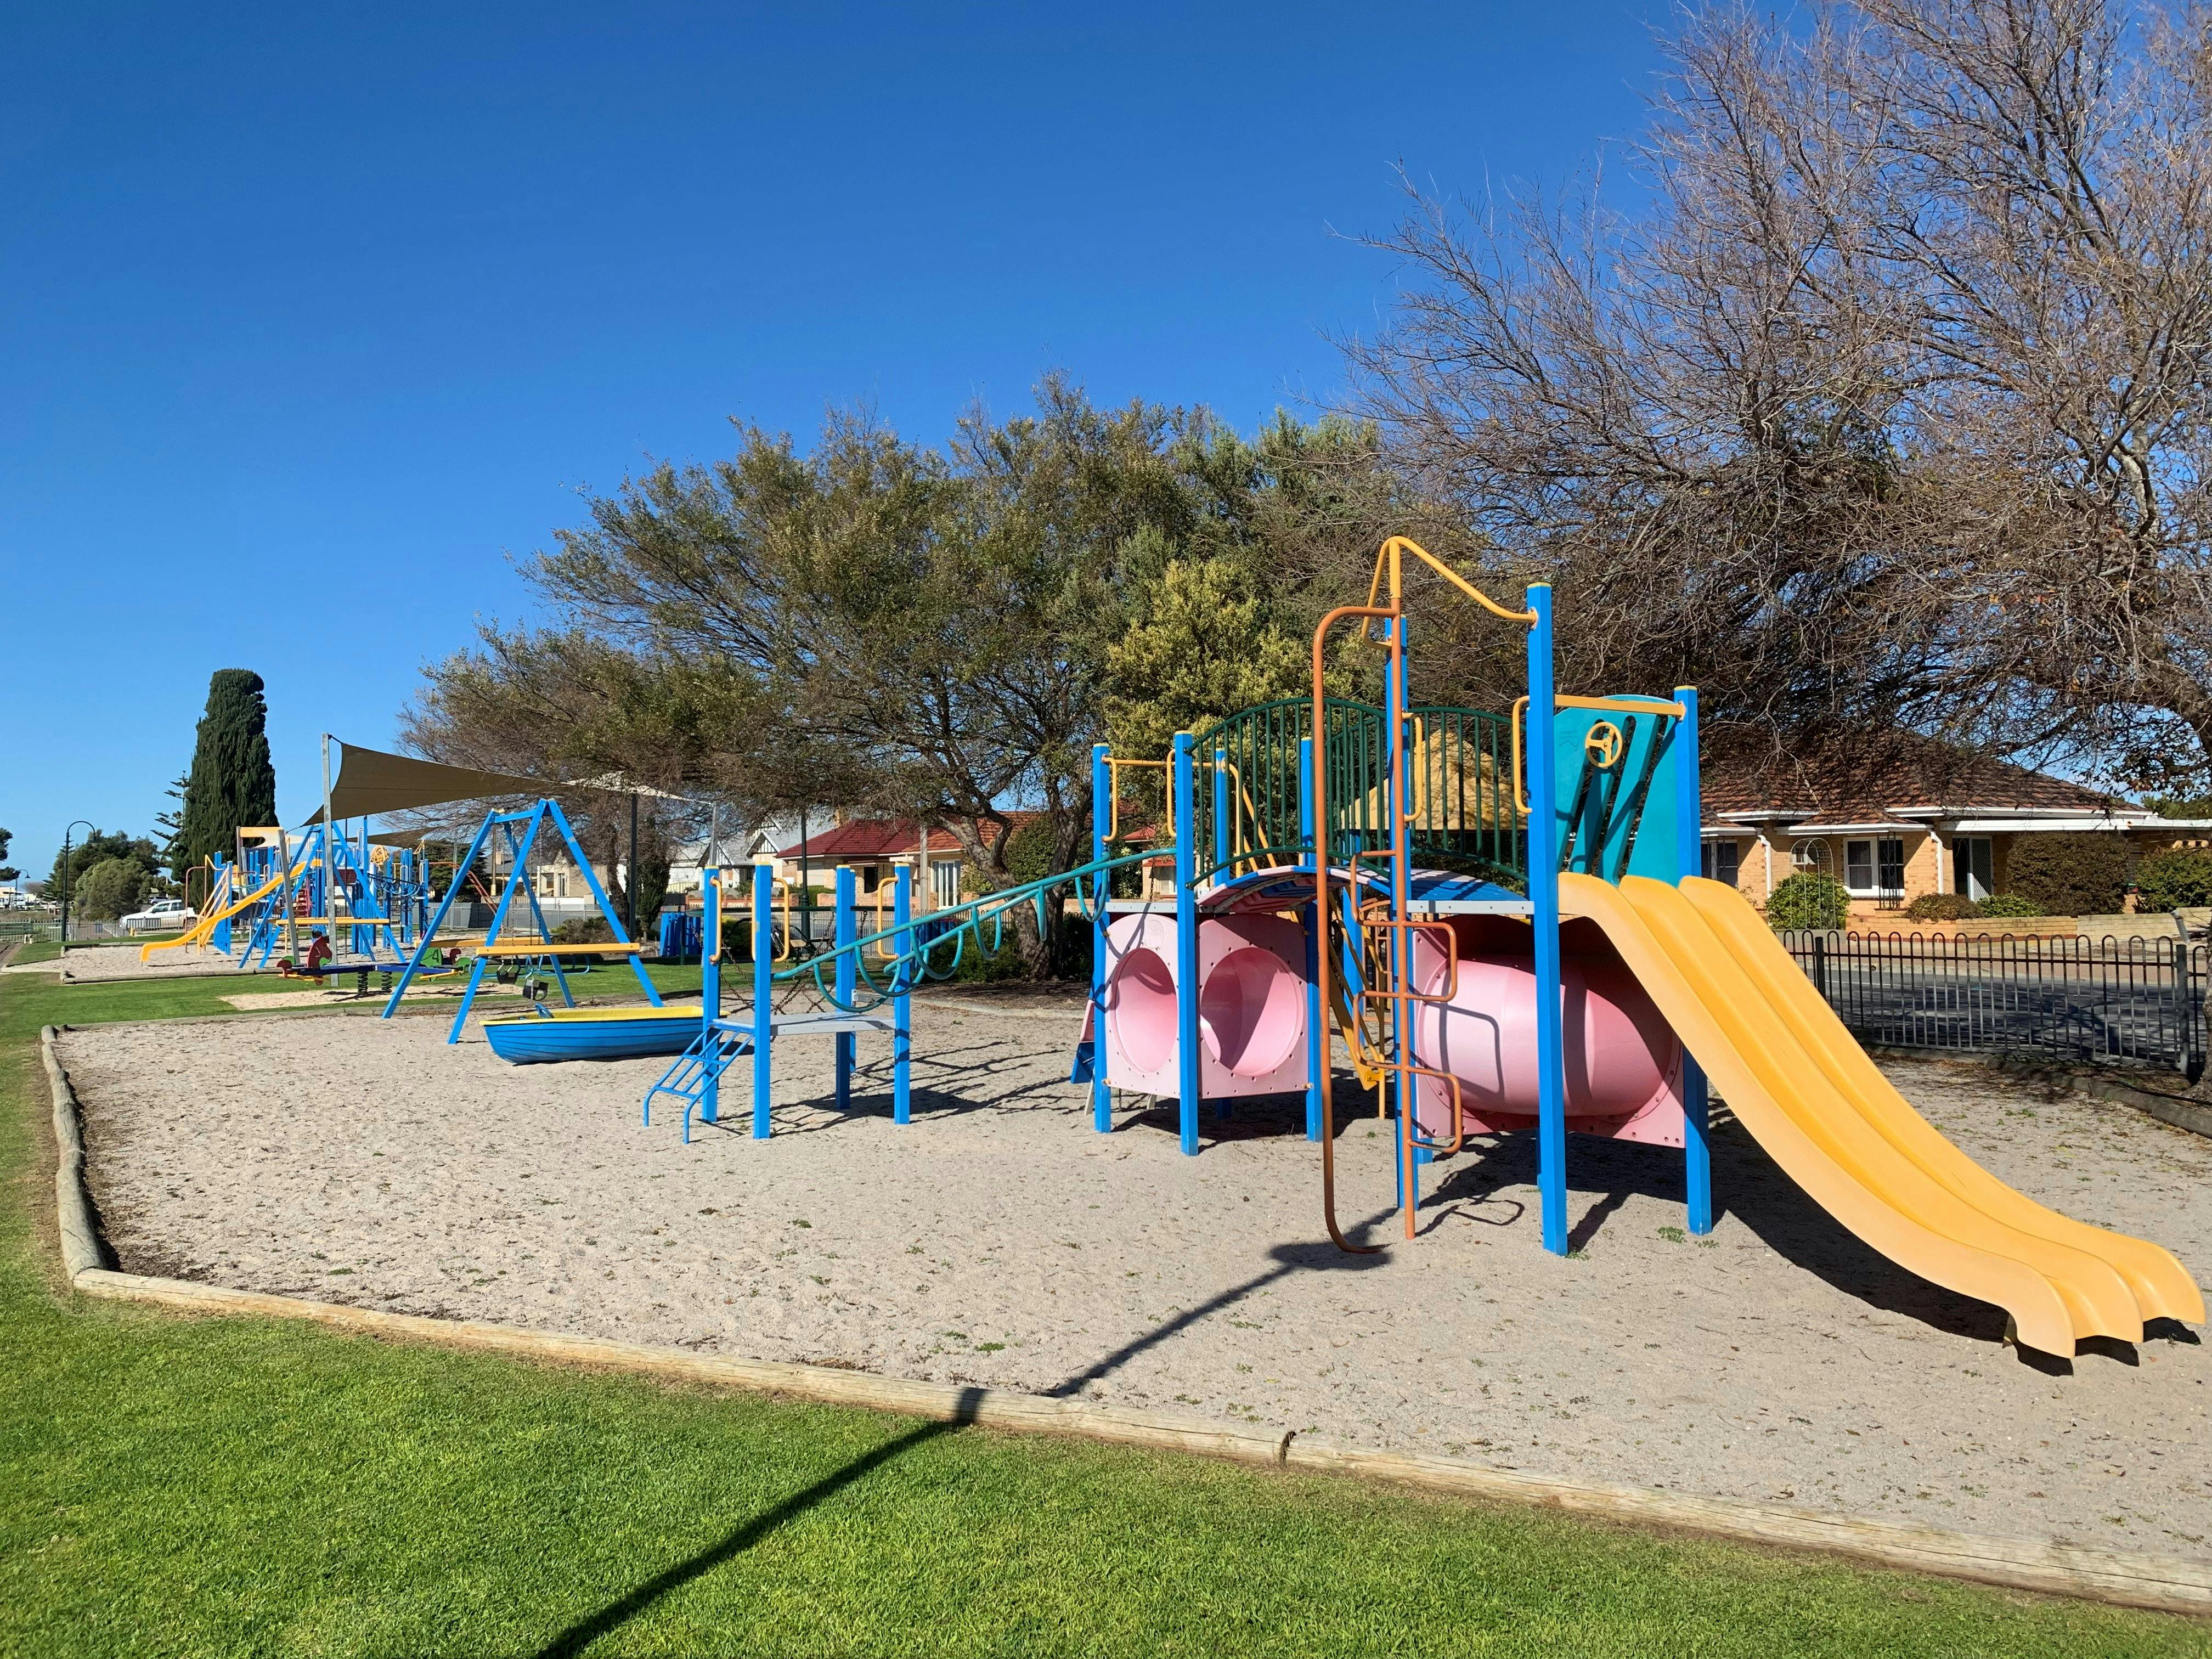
312, 322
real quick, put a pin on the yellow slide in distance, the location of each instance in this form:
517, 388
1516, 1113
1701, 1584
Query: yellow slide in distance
198, 932
1730, 997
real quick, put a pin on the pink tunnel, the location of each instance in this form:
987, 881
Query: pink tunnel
1251, 1006
1623, 1063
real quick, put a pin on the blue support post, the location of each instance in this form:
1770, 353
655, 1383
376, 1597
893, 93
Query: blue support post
904, 970
1689, 839
1317, 1055
1188, 1074
606, 909
847, 982
1544, 901
1101, 815
710, 991
764, 1004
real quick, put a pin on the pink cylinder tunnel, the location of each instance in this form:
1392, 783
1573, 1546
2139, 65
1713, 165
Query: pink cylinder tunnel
1251, 1006
1623, 1063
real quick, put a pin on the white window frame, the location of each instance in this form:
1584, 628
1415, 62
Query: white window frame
1965, 878
1872, 887
1711, 860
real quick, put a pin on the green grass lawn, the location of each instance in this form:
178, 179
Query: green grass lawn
175, 1486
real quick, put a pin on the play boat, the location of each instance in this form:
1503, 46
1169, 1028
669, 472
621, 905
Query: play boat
591, 1034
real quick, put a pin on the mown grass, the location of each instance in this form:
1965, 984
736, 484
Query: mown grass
172, 1486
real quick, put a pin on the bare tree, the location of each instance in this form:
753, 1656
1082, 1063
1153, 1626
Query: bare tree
1887, 407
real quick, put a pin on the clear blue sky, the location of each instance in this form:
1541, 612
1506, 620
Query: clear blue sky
311, 322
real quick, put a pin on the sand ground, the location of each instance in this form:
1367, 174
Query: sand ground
998, 1239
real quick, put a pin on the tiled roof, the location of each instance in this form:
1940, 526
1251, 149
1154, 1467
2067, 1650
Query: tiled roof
1867, 776
871, 839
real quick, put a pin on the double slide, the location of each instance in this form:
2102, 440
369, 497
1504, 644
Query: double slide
1796, 1079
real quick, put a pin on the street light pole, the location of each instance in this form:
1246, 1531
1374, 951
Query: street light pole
90, 830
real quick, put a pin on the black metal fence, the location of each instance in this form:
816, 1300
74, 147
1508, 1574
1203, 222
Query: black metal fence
2131, 1000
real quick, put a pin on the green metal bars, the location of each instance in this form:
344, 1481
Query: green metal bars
1458, 782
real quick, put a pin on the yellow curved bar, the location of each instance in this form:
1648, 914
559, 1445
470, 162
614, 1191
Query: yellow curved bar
1389, 552
1733, 998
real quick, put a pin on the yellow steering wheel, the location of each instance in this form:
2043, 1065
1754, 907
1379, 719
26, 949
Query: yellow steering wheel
1602, 742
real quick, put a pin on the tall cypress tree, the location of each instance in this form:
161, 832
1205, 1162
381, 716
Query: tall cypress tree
232, 781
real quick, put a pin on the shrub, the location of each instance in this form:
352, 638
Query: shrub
2011, 905
111, 888
1941, 906
1807, 900
583, 930
2175, 877
2074, 873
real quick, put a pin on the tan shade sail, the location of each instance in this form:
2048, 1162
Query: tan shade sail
368, 782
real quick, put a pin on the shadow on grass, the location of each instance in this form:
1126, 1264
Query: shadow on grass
1289, 1259
585, 1632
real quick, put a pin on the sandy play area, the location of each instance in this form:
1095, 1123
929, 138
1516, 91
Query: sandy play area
1000, 1240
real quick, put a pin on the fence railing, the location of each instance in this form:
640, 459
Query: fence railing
2140, 1000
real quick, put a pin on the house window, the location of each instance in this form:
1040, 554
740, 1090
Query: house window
1973, 866
1722, 860
545, 883
1810, 857
1874, 869
872, 877
944, 883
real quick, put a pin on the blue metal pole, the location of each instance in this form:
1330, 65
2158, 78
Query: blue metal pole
1189, 1076
710, 993
848, 982
1102, 814
1689, 838
1317, 1055
1544, 900
904, 970
764, 1004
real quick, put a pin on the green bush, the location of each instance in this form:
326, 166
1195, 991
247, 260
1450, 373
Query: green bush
111, 888
1807, 900
2175, 877
2075, 873
1941, 906
2011, 905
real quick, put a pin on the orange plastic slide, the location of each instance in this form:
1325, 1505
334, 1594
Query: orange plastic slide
1806, 1091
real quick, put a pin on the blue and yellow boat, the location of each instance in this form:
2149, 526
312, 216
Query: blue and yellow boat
592, 1034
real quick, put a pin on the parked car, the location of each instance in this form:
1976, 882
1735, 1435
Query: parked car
160, 913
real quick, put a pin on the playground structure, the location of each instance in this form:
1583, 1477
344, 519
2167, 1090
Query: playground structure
283, 890
1502, 918
516, 834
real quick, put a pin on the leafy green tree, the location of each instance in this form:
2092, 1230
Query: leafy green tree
2071, 874
2174, 877
109, 888
232, 781
8, 873
97, 848
1203, 648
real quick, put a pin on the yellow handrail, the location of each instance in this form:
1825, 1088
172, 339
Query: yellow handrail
1389, 553
1114, 790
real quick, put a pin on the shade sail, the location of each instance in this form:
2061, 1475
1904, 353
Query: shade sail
368, 782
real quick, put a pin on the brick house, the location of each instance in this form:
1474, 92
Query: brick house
1892, 817
876, 848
